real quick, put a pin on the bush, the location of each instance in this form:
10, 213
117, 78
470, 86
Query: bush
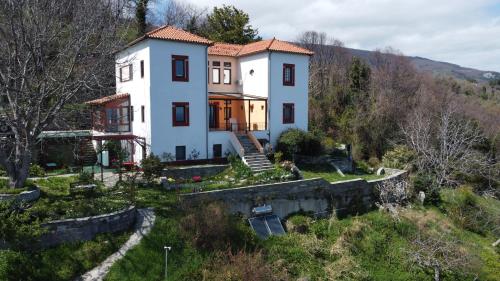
295, 141
210, 227
3, 173
241, 266
426, 183
400, 157
36, 171
86, 177
241, 170
151, 167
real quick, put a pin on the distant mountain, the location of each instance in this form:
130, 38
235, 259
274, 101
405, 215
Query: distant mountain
438, 67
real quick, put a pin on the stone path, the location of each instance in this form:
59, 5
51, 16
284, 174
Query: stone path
145, 221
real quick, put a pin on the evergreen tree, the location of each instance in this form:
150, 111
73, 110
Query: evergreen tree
140, 16
230, 25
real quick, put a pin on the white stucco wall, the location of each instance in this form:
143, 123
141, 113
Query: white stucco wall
137, 88
220, 137
256, 84
164, 136
280, 94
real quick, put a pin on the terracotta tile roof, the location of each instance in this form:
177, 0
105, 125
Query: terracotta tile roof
168, 32
234, 50
224, 49
107, 99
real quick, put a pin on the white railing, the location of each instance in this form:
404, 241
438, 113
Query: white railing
236, 145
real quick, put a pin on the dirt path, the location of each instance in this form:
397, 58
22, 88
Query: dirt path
145, 221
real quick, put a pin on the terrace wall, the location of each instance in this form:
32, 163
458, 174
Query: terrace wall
317, 196
84, 229
191, 171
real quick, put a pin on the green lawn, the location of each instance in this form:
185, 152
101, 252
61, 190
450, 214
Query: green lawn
330, 174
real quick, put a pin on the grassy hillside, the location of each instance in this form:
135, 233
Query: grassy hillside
210, 245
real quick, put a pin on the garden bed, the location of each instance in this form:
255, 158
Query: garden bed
58, 203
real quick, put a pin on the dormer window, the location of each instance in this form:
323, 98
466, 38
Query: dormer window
288, 74
180, 68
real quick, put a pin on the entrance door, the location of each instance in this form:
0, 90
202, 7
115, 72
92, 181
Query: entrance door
213, 116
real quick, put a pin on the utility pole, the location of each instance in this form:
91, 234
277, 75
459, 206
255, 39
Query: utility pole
166, 259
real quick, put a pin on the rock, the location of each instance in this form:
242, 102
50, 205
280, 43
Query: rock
380, 171
421, 197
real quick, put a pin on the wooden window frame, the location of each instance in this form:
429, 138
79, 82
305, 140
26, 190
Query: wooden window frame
292, 74
184, 123
143, 114
131, 113
130, 73
218, 71
185, 59
292, 120
142, 68
229, 76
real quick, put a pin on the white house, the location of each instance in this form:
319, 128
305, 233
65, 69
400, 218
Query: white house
183, 95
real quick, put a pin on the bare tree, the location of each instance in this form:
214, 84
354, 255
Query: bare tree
182, 15
53, 53
445, 143
440, 255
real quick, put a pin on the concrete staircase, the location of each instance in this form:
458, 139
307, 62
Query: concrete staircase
256, 160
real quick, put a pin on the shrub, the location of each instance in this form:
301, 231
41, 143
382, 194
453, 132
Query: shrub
400, 157
328, 144
241, 266
151, 167
240, 169
373, 162
36, 171
424, 182
295, 141
86, 177
210, 227
3, 173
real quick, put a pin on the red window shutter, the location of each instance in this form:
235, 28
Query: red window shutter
293, 113
187, 69
186, 112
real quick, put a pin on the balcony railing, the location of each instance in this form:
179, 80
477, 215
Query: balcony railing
239, 127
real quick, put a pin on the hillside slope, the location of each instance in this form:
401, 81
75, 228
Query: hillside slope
437, 67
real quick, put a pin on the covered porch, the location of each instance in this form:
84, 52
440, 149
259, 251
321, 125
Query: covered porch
237, 112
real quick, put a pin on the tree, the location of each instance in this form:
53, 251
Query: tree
440, 255
54, 53
445, 143
184, 16
230, 25
141, 9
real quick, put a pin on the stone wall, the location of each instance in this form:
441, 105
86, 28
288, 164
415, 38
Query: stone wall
27, 196
191, 171
84, 229
317, 196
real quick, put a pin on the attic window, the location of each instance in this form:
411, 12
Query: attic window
180, 68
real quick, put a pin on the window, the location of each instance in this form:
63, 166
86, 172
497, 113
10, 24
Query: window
126, 73
180, 68
180, 152
288, 113
216, 72
288, 74
227, 76
143, 114
142, 69
217, 149
131, 113
180, 114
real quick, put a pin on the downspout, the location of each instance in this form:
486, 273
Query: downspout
269, 97
206, 102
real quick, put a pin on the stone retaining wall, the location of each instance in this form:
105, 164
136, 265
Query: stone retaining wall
27, 196
84, 229
317, 196
191, 171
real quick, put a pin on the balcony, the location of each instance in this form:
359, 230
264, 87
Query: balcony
237, 113
111, 114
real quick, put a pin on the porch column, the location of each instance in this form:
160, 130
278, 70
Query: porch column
265, 112
249, 122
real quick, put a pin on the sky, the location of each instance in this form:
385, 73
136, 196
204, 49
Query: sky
464, 32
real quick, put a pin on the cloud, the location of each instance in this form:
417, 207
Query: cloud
464, 32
